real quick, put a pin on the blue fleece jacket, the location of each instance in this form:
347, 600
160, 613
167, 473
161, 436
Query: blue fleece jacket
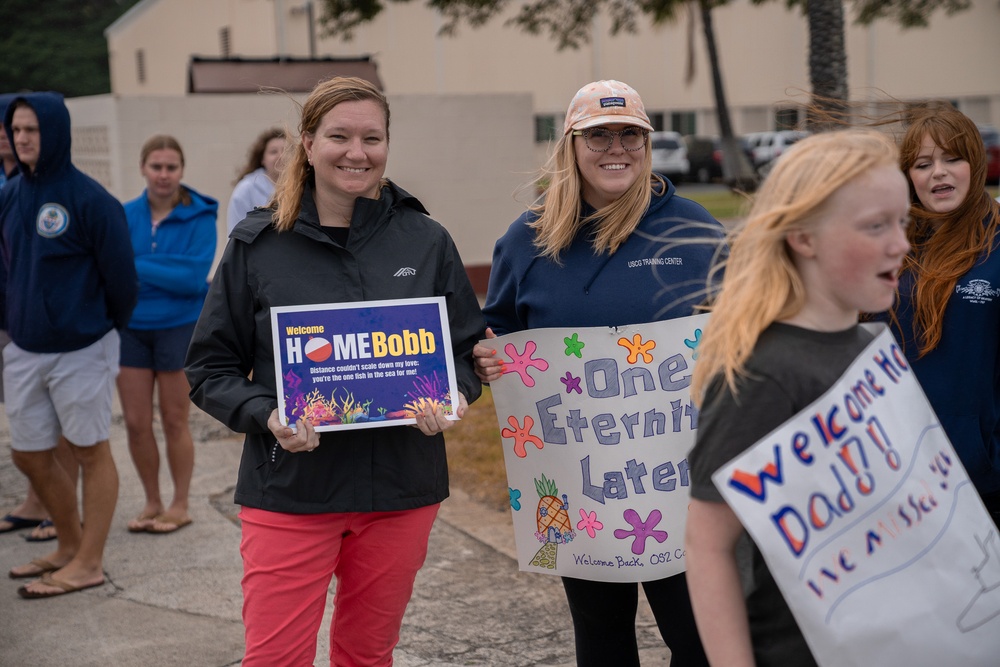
659, 273
64, 243
961, 376
172, 261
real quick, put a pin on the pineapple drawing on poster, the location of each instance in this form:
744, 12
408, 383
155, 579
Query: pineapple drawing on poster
554, 527
596, 423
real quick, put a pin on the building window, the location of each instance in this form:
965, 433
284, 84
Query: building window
140, 65
786, 119
683, 122
224, 42
545, 128
656, 120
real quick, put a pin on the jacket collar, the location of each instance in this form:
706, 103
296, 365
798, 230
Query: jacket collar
366, 216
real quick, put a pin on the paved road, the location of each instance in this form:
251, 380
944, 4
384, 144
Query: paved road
175, 599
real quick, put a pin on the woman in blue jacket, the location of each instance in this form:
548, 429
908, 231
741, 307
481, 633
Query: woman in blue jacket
173, 236
611, 244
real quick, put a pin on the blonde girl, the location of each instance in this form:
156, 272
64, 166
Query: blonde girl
824, 240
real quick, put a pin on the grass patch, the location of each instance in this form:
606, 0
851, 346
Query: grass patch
723, 204
475, 454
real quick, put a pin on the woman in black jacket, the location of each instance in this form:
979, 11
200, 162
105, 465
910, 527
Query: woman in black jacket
355, 504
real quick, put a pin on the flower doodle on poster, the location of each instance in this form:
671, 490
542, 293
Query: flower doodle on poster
520, 363
554, 525
641, 530
572, 383
574, 346
521, 435
636, 348
693, 343
515, 498
589, 523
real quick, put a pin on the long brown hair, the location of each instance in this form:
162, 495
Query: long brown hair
297, 170
255, 156
945, 245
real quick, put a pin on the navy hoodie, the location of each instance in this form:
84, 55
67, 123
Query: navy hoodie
961, 376
659, 273
64, 243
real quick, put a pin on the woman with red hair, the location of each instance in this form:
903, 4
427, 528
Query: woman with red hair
947, 314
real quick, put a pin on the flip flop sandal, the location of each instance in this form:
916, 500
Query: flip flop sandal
42, 567
141, 523
18, 523
42, 525
47, 579
164, 525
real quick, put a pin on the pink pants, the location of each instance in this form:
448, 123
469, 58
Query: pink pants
288, 560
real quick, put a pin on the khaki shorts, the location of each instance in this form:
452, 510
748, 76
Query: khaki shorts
64, 393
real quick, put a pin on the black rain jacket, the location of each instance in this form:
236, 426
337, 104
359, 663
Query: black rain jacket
230, 362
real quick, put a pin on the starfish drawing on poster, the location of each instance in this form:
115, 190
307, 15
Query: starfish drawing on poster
596, 424
363, 365
871, 526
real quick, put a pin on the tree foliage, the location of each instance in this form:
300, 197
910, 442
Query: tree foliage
57, 45
567, 22
907, 13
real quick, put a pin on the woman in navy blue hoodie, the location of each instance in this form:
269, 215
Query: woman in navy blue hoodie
947, 315
173, 237
611, 244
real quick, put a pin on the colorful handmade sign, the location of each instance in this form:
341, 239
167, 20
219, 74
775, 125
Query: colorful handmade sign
596, 424
871, 526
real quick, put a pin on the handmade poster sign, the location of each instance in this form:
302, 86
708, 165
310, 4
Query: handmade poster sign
871, 526
596, 426
362, 365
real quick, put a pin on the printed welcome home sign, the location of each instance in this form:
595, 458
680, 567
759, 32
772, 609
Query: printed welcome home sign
596, 424
871, 526
363, 365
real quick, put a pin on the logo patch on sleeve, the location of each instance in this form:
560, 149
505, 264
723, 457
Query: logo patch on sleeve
52, 221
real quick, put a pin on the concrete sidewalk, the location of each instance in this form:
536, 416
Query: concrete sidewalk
175, 599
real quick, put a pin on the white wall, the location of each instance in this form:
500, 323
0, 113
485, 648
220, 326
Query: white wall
461, 155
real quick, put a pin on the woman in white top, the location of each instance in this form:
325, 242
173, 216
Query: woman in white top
255, 184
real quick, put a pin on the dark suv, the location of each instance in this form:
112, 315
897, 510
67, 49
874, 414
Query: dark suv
705, 157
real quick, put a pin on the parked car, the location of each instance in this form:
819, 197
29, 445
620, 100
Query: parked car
771, 145
704, 157
670, 156
751, 142
991, 140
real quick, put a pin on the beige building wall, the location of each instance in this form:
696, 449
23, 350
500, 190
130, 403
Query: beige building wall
464, 107
763, 51
461, 155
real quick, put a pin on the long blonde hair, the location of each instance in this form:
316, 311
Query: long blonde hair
945, 245
297, 170
761, 284
558, 213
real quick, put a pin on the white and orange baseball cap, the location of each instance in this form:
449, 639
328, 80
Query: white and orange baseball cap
604, 102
